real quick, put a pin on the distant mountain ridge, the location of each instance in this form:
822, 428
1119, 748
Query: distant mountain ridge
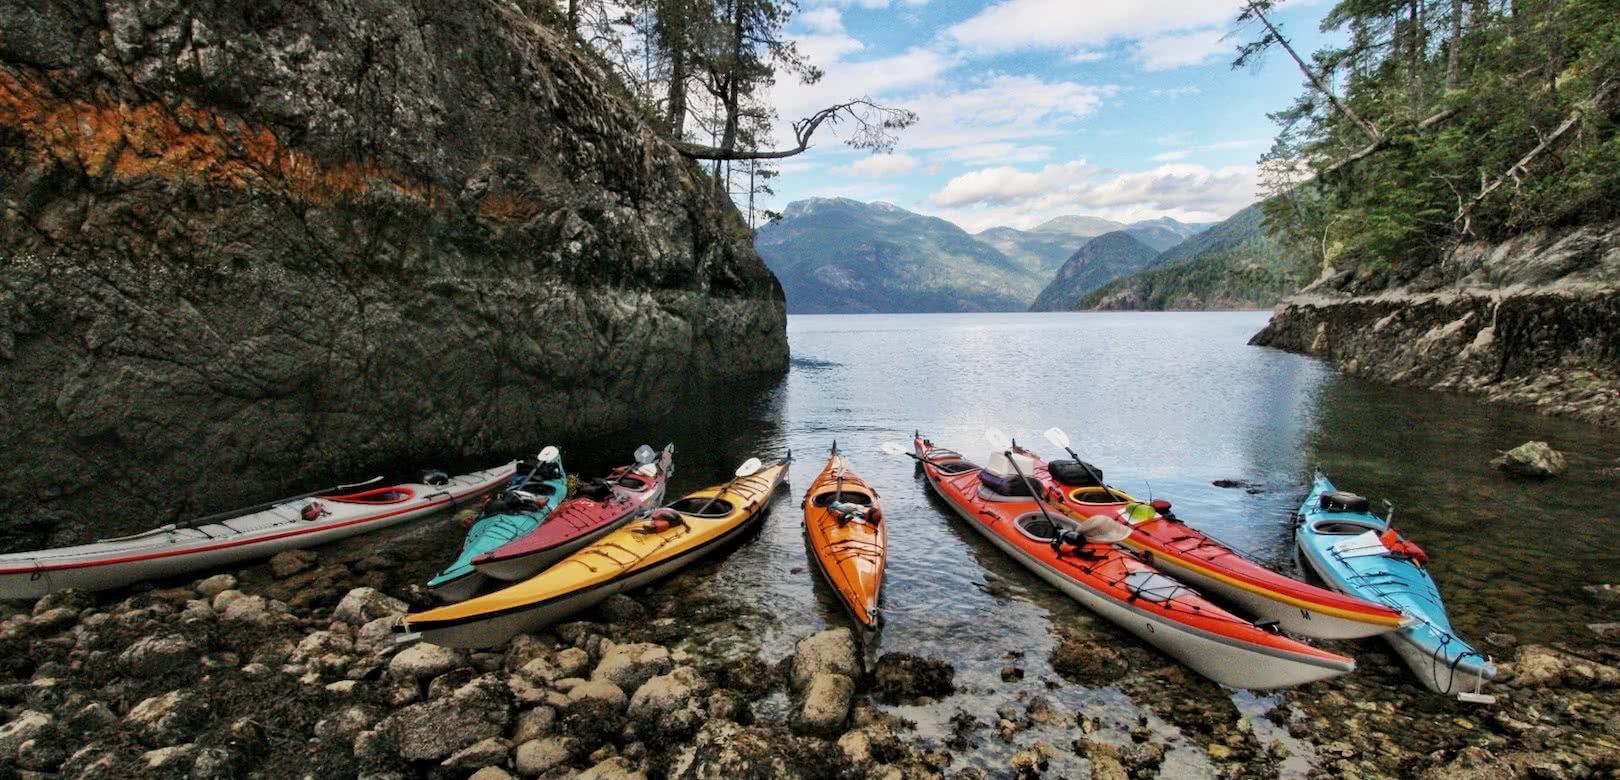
1103, 259
840, 255
1233, 265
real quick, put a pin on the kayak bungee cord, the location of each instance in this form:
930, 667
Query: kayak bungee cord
1370, 581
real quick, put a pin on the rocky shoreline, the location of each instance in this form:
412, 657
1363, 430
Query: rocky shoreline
1533, 322
291, 669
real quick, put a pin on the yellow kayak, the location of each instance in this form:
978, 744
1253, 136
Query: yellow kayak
636, 554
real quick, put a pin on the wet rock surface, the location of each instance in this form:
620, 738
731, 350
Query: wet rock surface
1532, 460
256, 248
1534, 321
316, 692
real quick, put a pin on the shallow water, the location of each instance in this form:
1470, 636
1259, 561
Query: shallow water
1165, 403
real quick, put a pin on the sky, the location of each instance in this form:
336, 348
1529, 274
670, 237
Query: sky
1030, 109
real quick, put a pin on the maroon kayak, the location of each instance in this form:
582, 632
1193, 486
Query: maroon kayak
597, 508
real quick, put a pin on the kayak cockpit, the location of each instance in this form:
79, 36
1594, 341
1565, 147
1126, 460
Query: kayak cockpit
1098, 496
383, 495
1043, 528
847, 497
1346, 527
701, 506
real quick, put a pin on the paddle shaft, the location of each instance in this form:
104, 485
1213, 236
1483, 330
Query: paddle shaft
1093, 473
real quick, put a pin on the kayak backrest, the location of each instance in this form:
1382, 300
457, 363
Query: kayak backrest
1341, 527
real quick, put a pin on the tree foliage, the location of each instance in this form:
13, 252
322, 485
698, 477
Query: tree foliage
1441, 121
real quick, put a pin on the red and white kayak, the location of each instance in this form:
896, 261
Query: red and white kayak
258, 532
583, 519
1117, 585
1193, 557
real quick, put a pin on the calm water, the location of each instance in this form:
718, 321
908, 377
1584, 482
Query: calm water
1165, 403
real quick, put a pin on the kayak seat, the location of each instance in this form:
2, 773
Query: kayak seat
1039, 527
827, 498
695, 506
1345, 527
955, 467
632, 482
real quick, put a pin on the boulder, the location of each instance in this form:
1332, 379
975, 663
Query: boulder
27, 725
53, 620
832, 652
253, 609
487, 752
215, 585
289, 562
573, 662
534, 724
826, 704
318, 644
491, 773
666, 693
1532, 460
376, 637
1605, 631
1539, 666
166, 719
363, 605
598, 690
538, 756
621, 609
629, 665
723, 750
171, 761
423, 661
157, 654
434, 730
898, 676
616, 768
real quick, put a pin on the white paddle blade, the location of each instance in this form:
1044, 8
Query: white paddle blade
892, 448
750, 466
1057, 437
645, 454
547, 454
997, 439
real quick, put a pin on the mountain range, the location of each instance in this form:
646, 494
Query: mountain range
837, 255
1102, 260
1233, 265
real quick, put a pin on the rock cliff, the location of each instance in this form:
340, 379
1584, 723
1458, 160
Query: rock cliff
253, 247
1533, 321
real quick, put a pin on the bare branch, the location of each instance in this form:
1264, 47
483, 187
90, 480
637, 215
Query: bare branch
1383, 142
875, 128
1520, 169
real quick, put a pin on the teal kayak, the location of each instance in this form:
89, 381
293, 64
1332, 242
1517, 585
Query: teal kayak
1355, 553
508, 515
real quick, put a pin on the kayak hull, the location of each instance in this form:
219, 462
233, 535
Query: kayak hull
1442, 661
623, 560
171, 552
460, 581
578, 523
850, 554
1193, 557
1210, 641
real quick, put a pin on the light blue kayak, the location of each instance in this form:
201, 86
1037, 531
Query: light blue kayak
510, 514
1340, 540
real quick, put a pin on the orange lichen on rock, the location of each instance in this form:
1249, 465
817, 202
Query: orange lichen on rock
183, 144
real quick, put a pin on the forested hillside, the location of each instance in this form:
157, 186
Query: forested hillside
1233, 265
1442, 121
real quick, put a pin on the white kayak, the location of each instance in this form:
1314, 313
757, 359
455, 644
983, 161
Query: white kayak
258, 532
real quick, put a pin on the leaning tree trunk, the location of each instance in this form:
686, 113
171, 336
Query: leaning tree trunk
1454, 48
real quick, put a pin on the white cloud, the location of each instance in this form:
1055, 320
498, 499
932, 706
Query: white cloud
1020, 24
996, 152
1010, 196
823, 20
1179, 154
1001, 110
1163, 52
883, 165
868, 4
1087, 55
1175, 92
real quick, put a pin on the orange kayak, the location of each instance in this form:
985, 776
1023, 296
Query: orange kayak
847, 536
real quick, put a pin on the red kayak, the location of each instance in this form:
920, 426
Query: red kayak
1189, 555
1116, 584
595, 511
